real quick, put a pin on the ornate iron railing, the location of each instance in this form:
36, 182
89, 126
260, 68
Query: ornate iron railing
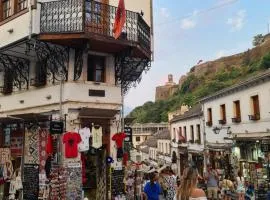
88, 16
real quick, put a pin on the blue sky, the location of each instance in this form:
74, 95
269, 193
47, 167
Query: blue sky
190, 30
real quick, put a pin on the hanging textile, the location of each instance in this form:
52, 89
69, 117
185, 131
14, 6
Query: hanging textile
42, 149
31, 150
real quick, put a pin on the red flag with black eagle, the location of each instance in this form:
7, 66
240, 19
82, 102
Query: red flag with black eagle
120, 19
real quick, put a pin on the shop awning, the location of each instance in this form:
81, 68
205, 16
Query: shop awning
251, 136
219, 146
97, 113
27, 117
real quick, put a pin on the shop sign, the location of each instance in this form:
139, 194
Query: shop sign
56, 127
264, 147
128, 132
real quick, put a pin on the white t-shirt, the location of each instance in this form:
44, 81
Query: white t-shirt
97, 137
85, 135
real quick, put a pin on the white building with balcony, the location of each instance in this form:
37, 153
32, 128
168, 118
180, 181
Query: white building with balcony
164, 147
59, 61
240, 115
187, 139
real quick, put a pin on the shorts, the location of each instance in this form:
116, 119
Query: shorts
212, 192
120, 153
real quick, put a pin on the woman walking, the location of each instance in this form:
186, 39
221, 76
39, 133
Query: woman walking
188, 188
240, 183
170, 181
227, 188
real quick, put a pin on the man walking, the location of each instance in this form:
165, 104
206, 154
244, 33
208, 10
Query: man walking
211, 177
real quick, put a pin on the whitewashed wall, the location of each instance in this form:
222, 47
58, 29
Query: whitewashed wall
187, 123
246, 126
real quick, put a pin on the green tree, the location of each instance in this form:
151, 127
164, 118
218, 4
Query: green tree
257, 40
265, 62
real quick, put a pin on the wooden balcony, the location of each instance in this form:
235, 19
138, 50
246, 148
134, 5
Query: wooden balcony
86, 22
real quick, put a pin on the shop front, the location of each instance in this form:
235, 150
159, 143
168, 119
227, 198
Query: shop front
218, 156
252, 159
42, 158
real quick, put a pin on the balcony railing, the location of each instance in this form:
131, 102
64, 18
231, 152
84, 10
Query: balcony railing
91, 17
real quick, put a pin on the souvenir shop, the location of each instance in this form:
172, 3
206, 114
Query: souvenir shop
252, 158
41, 160
218, 156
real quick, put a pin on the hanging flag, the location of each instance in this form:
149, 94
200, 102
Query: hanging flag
120, 19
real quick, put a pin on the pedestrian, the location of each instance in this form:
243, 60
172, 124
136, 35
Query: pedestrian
226, 188
163, 183
152, 189
170, 181
211, 177
240, 183
188, 189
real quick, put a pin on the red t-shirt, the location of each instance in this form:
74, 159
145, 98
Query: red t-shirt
118, 138
71, 141
49, 146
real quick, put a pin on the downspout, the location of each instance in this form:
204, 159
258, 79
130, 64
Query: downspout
30, 18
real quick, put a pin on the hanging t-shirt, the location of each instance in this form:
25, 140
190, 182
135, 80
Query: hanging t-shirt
49, 145
119, 138
71, 141
85, 135
97, 137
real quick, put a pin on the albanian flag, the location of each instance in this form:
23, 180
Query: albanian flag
120, 19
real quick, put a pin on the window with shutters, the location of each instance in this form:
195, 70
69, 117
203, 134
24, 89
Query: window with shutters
185, 133
22, 4
222, 114
236, 112
255, 108
198, 134
209, 117
191, 134
6, 10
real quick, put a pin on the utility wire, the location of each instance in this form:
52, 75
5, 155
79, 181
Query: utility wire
200, 12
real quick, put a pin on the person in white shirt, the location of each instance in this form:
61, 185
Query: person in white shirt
188, 188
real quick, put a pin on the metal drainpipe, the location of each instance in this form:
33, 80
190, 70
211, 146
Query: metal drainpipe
30, 18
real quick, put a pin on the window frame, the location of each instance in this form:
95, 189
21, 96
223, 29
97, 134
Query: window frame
94, 60
21, 5
192, 133
198, 127
223, 113
137, 138
4, 10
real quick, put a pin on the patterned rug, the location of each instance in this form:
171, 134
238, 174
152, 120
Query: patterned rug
42, 149
31, 150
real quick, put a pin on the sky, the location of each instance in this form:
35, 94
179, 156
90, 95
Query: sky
186, 31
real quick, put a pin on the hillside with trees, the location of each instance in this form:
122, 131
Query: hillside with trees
198, 85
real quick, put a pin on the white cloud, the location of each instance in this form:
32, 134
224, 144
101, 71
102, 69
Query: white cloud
187, 23
164, 12
237, 22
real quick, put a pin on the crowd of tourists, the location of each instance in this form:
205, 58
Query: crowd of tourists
166, 185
